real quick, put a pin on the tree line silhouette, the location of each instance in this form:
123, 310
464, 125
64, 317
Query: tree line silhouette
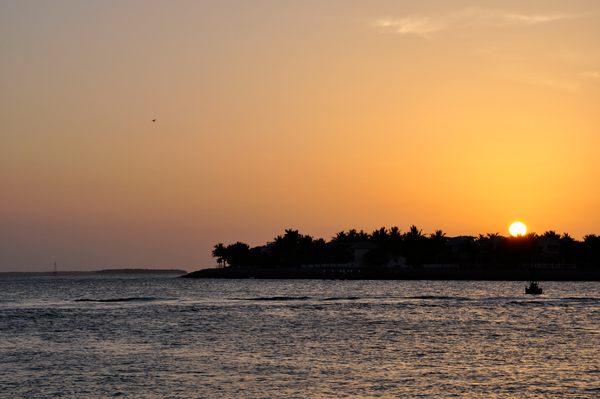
415, 249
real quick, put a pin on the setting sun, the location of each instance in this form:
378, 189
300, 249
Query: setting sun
517, 229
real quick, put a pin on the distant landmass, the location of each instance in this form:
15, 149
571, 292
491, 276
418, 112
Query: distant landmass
141, 271
105, 271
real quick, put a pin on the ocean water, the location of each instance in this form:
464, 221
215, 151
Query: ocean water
156, 336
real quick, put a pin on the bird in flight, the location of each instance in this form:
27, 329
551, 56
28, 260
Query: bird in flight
153, 120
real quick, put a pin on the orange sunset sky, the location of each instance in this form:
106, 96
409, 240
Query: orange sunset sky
463, 116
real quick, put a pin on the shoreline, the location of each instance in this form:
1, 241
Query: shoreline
402, 274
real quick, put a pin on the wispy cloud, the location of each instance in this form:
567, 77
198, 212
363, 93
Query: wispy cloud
546, 82
426, 25
415, 25
531, 19
590, 75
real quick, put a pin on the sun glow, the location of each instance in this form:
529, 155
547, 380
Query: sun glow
517, 229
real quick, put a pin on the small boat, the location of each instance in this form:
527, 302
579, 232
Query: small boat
534, 288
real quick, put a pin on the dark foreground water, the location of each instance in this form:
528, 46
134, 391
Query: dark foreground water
158, 336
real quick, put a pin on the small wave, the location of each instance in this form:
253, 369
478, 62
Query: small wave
132, 299
582, 299
350, 298
274, 298
430, 297
526, 303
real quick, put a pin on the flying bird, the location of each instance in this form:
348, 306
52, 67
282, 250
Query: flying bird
153, 120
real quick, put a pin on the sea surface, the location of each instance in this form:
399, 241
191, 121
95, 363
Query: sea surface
157, 336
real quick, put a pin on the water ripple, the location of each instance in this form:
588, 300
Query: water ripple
297, 339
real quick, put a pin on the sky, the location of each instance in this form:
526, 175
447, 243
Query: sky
463, 116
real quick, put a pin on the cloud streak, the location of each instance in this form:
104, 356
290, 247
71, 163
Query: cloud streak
565, 85
590, 75
415, 25
427, 25
520, 19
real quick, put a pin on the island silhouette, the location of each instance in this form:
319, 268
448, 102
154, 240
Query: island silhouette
391, 253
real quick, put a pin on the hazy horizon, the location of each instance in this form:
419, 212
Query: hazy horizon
462, 116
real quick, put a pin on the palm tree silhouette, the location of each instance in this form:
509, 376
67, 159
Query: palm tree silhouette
566, 237
395, 232
380, 236
220, 252
552, 235
340, 237
414, 232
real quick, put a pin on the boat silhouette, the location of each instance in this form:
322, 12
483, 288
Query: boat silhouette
533, 288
